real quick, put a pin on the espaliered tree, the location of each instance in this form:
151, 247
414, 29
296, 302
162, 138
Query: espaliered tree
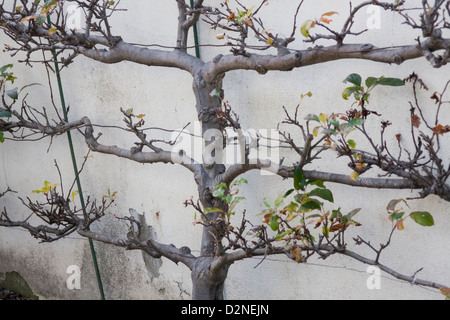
36, 26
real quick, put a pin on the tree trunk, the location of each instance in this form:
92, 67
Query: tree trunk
208, 275
208, 279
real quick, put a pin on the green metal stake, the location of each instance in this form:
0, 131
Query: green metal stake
75, 168
197, 48
72, 151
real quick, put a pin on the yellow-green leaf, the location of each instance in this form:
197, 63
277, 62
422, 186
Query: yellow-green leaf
354, 175
323, 117
306, 26
46, 188
351, 143
400, 225
74, 194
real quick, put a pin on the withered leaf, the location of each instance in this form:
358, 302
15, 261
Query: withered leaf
440, 129
445, 291
435, 97
336, 227
296, 254
415, 120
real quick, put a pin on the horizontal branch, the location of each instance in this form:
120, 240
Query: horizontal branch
374, 183
138, 156
123, 51
319, 54
150, 247
42, 231
43, 127
411, 279
288, 172
242, 254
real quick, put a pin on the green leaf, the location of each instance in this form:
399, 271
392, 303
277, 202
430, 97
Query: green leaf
334, 123
299, 198
278, 201
2, 139
423, 218
329, 131
236, 200
220, 185
291, 207
318, 183
354, 78
13, 93
370, 81
283, 234
3, 68
322, 193
299, 179
5, 114
336, 213
219, 191
288, 193
311, 204
351, 143
351, 90
394, 82
355, 122
228, 198
273, 222
266, 202
397, 215
312, 117
352, 213
238, 182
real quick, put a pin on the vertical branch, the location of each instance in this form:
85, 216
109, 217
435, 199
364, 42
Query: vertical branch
182, 30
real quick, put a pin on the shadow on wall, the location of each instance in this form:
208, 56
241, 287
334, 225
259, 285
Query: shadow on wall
14, 282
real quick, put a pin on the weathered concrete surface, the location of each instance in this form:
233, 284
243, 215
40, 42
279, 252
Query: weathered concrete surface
99, 91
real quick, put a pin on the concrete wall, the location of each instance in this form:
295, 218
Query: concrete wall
99, 91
